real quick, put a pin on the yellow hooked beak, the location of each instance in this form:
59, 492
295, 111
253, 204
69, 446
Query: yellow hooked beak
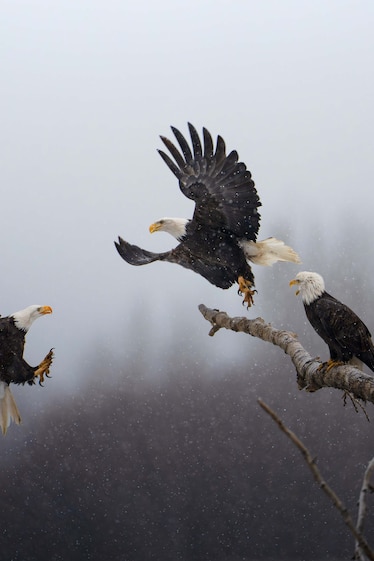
295, 281
155, 227
45, 310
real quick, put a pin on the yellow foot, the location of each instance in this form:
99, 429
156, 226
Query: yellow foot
43, 368
245, 288
330, 364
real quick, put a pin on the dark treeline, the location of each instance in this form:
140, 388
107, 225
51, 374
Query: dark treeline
188, 467
164, 453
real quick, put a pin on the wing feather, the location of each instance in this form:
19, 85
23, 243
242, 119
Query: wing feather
196, 144
174, 151
183, 144
222, 188
135, 255
216, 274
208, 144
171, 165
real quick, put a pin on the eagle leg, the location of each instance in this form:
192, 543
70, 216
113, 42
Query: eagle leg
43, 368
245, 288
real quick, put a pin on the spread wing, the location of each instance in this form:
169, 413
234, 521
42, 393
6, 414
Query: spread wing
218, 275
222, 188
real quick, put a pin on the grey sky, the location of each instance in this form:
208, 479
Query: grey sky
87, 87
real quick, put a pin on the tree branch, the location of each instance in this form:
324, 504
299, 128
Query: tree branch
312, 375
361, 543
362, 506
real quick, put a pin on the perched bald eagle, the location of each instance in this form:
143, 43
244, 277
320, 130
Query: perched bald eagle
220, 240
347, 337
13, 368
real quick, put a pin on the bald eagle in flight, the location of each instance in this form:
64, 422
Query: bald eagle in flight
13, 368
347, 337
220, 240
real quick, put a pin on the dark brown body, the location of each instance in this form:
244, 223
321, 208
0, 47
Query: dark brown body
342, 330
12, 366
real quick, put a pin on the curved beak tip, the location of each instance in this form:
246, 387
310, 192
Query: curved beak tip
292, 283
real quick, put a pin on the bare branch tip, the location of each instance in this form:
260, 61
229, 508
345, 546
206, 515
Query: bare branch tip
202, 308
214, 330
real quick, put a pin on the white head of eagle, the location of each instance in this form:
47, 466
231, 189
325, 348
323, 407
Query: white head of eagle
176, 227
310, 286
26, 317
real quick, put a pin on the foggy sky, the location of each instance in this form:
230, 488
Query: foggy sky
87, 87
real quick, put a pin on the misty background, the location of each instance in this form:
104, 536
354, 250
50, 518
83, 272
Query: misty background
86, 90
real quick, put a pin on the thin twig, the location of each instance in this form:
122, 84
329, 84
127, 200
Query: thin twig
362, 505
356, 404
321, 482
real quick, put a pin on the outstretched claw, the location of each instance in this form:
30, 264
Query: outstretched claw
43, 368
245, 288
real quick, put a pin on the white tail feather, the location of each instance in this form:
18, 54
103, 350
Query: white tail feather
8, 408
268, 252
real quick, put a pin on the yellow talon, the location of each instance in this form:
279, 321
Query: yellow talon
245, 288
43, 368
331, 363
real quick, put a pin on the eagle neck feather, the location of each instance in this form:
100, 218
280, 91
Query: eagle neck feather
25, 318
311, 293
